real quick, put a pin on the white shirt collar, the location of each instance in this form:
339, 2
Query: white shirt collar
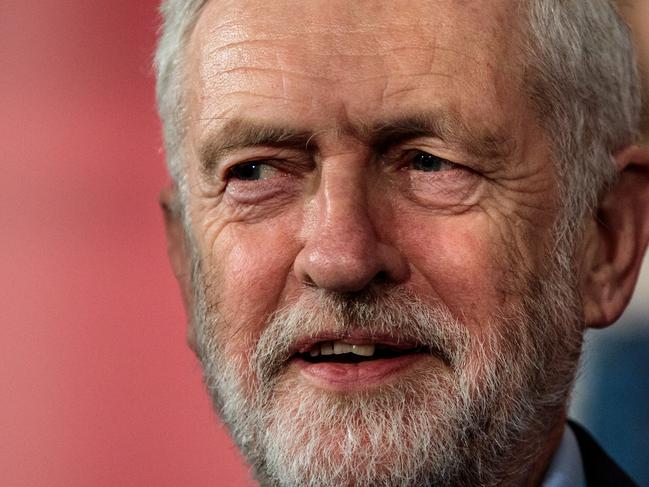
566, 468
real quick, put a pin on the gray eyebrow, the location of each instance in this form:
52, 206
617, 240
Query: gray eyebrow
480, 142
235, 134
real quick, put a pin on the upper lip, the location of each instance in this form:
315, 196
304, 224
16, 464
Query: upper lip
305, 344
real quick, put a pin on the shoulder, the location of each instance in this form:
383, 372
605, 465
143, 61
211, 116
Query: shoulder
600, 469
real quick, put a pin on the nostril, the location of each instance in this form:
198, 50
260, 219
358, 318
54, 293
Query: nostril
381, 277
308, 282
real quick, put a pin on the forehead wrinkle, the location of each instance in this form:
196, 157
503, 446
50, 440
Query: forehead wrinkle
245, 40
260, 44
246, 22
247, 93
242, 31
238, 30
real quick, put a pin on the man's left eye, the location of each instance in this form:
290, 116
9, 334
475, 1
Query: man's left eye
252, 171
423, 161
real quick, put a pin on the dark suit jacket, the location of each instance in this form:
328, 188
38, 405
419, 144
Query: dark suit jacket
600, 470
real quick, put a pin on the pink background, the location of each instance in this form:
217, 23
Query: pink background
98, 387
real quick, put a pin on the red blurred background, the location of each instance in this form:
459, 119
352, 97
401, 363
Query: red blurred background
98, 386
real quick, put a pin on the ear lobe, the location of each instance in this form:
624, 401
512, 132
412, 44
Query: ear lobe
616, 241
175, 234
177, 251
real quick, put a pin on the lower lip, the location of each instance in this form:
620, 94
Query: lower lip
351, 377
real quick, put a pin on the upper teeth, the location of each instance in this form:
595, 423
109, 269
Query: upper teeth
339, 347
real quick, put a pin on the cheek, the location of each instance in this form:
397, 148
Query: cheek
254, 262
464, 263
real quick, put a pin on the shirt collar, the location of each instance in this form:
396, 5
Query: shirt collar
566, 468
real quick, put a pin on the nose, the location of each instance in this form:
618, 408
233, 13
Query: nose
343, 250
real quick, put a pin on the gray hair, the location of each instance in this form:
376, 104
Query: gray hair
178, 20
580, 76
583, 82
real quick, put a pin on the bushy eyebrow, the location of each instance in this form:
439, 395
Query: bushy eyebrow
481, 142
239, 133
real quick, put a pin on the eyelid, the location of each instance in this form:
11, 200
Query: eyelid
400, 146
258, 162
285, 164
403, 156
266, 171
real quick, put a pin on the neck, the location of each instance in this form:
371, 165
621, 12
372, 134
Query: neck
539, 469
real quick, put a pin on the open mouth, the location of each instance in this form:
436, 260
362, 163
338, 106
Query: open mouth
343, 352
357, 362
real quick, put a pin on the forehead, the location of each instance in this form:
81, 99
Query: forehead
332, 62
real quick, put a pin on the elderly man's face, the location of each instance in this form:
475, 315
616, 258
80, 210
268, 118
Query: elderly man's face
371, 205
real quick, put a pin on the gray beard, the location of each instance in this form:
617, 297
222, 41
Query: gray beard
480, 418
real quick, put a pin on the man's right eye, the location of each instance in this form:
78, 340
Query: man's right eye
252, 171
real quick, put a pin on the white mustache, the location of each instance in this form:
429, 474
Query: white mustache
394, 312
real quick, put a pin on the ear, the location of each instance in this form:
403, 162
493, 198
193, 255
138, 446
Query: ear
177, 251
616, 240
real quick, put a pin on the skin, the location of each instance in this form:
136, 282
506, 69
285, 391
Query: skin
342, 214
